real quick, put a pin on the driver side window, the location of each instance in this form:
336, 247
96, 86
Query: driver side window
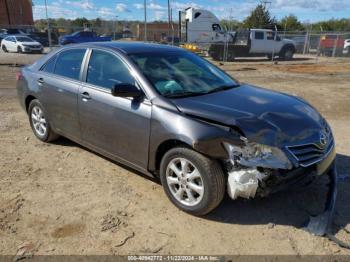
106, 70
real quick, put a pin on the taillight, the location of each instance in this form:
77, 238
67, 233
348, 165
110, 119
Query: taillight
18, 75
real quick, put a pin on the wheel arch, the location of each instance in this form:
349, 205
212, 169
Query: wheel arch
164, 147
287, 46
27, 101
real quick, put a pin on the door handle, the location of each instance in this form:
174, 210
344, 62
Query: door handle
40, 81
85, 96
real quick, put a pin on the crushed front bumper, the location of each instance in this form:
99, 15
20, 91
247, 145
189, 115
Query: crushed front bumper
320, 225
279, 180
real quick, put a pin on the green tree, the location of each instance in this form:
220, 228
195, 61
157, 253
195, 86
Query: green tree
333, 25
291, 23
230, 24
259, 18
79, 22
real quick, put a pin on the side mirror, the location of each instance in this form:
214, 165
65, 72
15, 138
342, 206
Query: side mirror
126, 90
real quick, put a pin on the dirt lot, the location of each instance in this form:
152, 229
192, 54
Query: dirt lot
63, 199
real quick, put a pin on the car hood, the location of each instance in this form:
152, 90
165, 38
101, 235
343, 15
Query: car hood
264, 116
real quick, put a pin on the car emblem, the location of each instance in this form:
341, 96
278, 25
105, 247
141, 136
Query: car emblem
323, 139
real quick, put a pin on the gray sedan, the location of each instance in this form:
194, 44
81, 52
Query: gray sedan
171, 114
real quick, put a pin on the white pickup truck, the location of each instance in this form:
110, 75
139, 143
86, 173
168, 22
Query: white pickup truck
253, 42
201, 28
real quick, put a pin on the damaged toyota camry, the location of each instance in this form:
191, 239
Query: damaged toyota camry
171, 114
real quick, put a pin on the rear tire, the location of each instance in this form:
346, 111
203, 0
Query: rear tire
231, 56
39, 123
197, 186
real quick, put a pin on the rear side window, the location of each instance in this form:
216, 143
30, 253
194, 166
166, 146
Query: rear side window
50, 65
270, 35
106, 70
68, 63
259, 35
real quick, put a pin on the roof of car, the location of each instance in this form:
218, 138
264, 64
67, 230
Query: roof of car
134, 47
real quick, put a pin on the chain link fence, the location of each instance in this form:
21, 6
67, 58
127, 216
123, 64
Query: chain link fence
329, 44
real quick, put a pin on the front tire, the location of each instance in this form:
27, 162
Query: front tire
19, 50
4, 49
39, 123
192, 182
287, 54
348, 51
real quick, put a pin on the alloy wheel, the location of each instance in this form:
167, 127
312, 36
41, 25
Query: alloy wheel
38, 121
184, 181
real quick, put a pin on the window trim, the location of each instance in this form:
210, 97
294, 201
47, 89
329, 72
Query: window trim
64, 77
54, 57
105, 89
273, 34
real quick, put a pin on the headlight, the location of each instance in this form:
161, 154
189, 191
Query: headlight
257, 155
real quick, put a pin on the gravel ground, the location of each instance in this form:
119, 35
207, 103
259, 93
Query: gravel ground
61, 198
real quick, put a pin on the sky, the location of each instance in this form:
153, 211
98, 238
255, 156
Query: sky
305, 10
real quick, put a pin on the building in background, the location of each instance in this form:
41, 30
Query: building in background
156, 31
16, 13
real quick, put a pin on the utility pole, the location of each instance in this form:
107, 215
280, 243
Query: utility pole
115, 26
145, 25
265, 2
169, 18
48, 25
172, 26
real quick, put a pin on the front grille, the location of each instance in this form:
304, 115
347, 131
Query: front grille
309, 154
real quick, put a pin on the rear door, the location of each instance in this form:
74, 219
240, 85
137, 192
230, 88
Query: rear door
258, 44
273, 42
59, 81
86, 37
117, 126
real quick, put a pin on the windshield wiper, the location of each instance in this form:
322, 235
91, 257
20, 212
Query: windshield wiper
189, 93
184, 94
222, 88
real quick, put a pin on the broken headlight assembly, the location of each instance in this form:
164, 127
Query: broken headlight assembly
257, 155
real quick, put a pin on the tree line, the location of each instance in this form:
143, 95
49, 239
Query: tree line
260, 17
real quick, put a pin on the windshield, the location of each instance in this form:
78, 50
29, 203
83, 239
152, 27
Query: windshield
176, 74
24, 39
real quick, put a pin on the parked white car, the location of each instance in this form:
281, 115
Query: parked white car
346, 50
21, 44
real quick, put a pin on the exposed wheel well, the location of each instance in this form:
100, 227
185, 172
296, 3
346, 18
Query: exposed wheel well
166, 146
28, 100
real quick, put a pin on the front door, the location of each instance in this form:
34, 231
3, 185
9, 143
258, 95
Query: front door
11, 44
116, 125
